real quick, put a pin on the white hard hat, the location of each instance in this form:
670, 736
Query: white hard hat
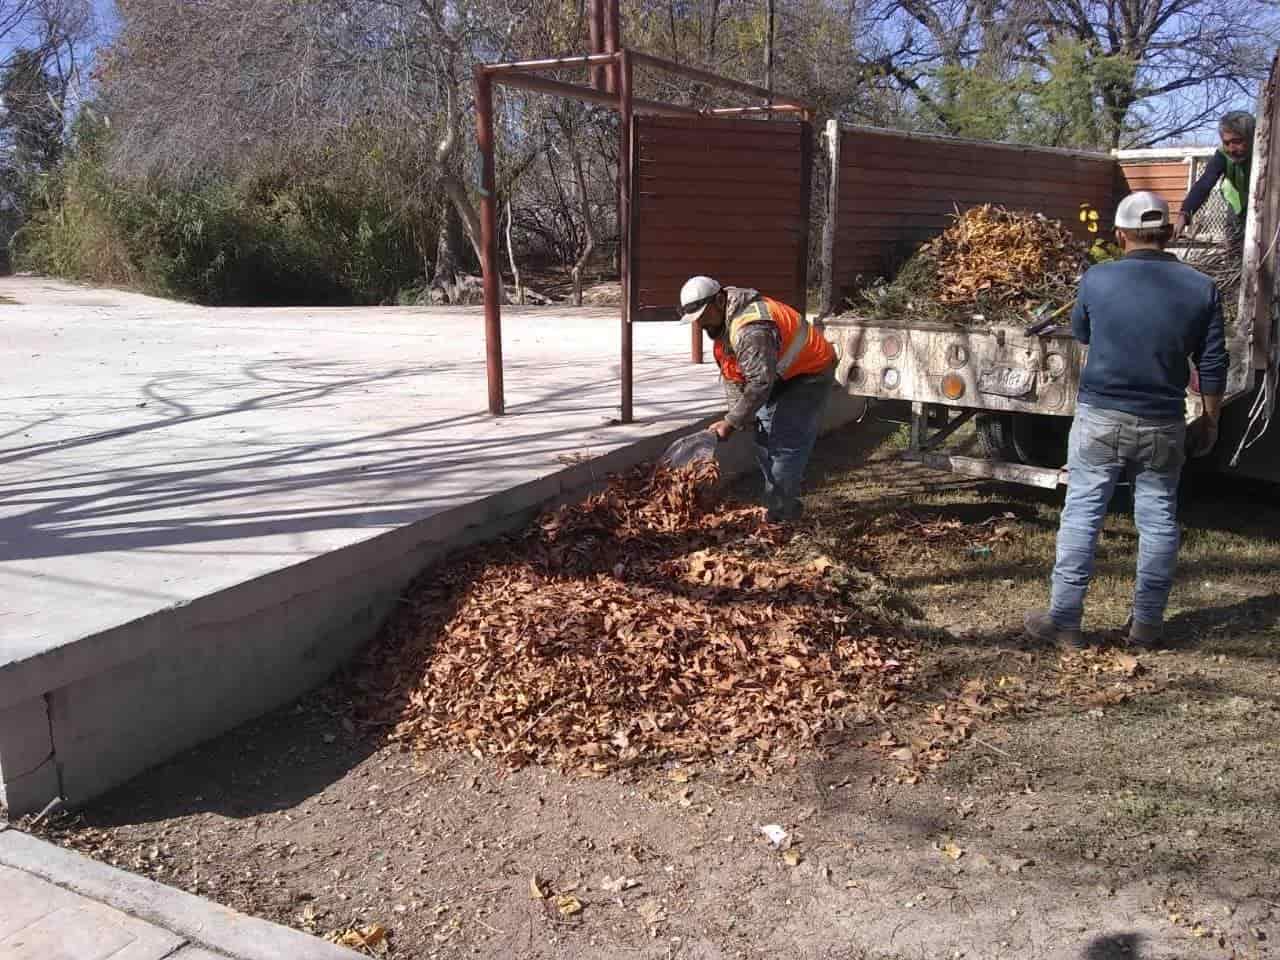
1142, 210
696, 294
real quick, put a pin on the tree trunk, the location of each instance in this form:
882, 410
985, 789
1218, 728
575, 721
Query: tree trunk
588, 226
511, 255
450, 254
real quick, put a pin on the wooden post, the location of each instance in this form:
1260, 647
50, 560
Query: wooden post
1259, 272
806, 214
828, 304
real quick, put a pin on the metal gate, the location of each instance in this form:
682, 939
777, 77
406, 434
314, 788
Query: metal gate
725, 198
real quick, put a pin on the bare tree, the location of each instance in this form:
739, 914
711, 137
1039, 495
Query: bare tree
1158, 51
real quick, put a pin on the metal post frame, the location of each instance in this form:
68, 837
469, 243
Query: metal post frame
595, 18
612, 32
489, 244
614, 70
626, 169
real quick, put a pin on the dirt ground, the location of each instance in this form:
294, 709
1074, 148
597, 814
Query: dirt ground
1124, 809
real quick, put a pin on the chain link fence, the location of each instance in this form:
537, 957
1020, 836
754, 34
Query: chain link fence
1215, 221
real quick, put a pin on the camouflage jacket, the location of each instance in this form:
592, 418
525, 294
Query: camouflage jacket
757, 353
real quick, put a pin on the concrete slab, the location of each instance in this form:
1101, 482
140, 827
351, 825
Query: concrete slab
39, 921
87, 898
203, 512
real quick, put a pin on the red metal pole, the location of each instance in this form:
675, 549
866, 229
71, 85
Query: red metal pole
527, 81
625, 215
595, 25
489, 243
611, 44
550, 63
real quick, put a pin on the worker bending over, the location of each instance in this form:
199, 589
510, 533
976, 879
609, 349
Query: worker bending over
1142, 317
1229, 166
777, 371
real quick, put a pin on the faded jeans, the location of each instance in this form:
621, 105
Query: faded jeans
786, 430
1103, 444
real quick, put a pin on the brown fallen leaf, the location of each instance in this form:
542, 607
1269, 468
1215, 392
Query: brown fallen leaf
951, 851
371, 938
1128, 664
568, 906
535, 891
792, 857
618, 884
651, 911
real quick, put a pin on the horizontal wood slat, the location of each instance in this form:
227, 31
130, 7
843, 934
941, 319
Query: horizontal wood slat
897, 191
720, 197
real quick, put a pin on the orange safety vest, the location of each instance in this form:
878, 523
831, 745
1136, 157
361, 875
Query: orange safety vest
804, 349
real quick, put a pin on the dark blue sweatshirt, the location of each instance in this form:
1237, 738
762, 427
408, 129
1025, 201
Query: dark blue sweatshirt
1143, 317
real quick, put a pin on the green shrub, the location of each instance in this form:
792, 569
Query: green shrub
263, 240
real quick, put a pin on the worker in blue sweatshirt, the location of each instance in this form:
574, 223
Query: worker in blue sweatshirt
1142, 317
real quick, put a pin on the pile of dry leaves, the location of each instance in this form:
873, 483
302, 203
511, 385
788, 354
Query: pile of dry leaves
991, 265
645, 623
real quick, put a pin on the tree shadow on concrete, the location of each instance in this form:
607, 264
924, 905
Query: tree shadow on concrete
269, 486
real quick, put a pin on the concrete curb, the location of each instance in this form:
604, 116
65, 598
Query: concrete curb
203, 923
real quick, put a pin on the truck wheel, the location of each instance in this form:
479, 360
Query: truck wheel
1041, 441
995, 436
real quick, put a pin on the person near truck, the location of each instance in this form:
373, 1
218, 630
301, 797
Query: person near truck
1142, 317
777, 371
1228, 169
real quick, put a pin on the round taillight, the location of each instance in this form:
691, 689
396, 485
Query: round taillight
890, 378
857, 375
891, 345
953, 386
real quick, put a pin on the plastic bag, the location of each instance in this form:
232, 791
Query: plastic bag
690, 449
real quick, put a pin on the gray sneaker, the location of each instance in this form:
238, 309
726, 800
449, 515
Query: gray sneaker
1040, 626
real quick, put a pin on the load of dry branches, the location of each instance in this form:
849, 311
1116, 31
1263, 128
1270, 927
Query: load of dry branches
992, 265
1224, 263
648, 622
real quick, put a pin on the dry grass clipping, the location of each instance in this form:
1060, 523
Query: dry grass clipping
992, 265
644, 623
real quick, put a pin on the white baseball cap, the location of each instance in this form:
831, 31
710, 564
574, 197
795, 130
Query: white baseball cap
1142, 210
695, 296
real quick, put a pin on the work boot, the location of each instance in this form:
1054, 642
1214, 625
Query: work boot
1145, 635
1040, 626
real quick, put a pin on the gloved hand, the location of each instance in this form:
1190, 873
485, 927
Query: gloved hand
723, 429
1203, 438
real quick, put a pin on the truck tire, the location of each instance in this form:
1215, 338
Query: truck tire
1041, 441
1029, 438
995, 436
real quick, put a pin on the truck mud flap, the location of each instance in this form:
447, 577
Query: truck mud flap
1049, 478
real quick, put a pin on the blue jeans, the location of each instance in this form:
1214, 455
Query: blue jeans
786, 430
1103, 444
